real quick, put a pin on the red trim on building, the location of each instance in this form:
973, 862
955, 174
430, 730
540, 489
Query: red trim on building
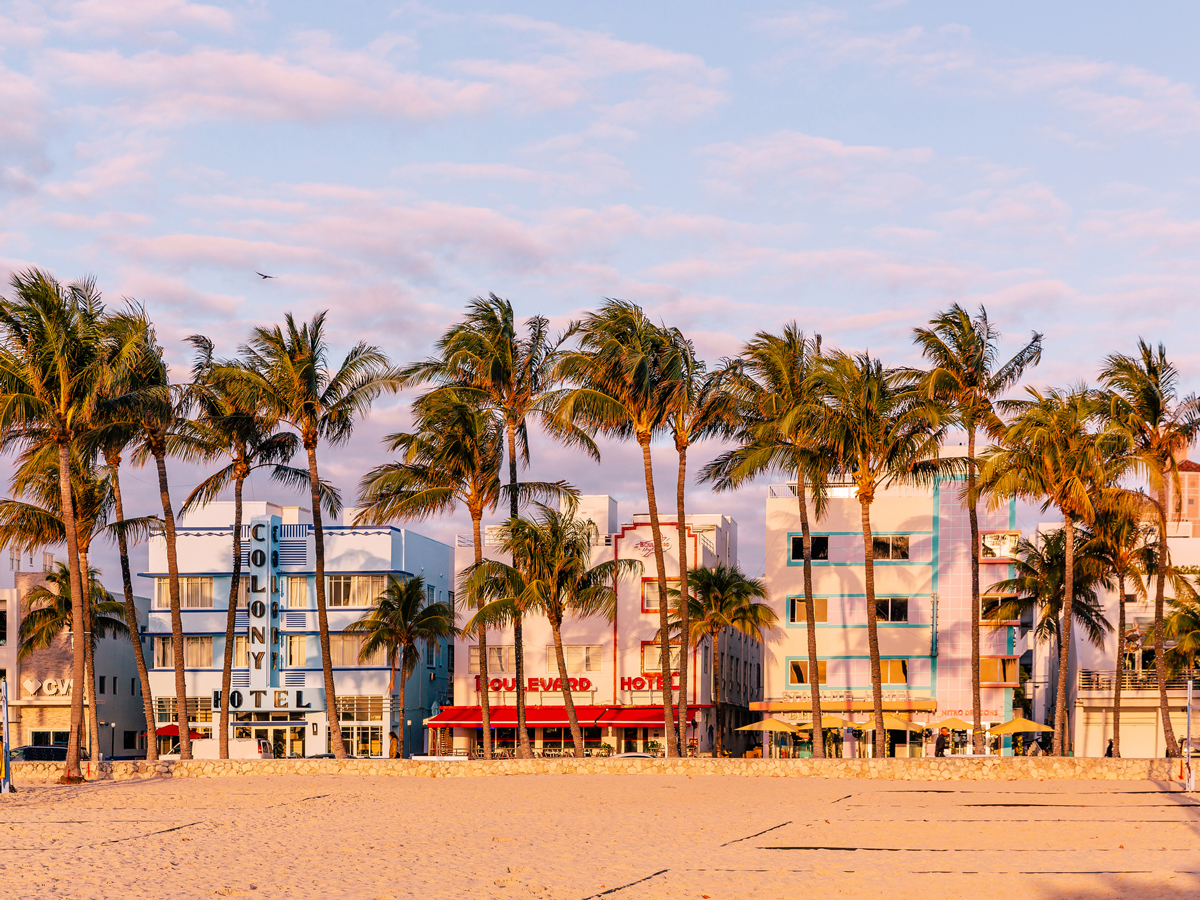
554, 716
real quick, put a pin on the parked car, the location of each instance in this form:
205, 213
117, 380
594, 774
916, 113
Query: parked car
42, 754
239, 748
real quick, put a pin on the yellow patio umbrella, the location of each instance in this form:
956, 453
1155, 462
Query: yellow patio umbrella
954, 723
895, 723
1019, 726
770, 724
828, 722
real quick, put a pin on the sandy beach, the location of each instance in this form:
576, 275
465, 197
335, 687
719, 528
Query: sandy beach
619, 837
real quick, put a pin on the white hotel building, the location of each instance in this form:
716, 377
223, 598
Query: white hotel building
923, 599
277, 689
615, 665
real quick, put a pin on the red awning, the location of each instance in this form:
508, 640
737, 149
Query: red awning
173, 731
553, 716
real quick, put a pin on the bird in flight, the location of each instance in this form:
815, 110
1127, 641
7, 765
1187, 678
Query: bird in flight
261, 275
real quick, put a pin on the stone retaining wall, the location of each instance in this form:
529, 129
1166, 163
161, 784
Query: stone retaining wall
988, 768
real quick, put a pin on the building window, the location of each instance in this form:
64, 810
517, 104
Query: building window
199, 709
500, 659
197, 653
297, 592
3, 628
999, 670
891, 609
360, 709
820, 547
241, 651
798, 671
296, 649
891, 546
652, 658
650, 593
49, 738
798, 615
998, 546
430, 594
355, 590
580, 658
130, 740
195, 592
101, 686
344, 651
893, 671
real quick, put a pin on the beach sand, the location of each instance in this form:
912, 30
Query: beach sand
598, 836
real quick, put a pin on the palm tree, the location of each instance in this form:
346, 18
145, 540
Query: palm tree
482, 359
1143, 401
49, 613
399, 621
623, 372
964, 377
776, 408
1124, 543
881, 432
552, 573
1051, 455
287, 377
54, 363
723, 597
226, 427
1183, 625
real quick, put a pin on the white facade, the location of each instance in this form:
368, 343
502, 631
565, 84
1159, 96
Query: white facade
618, 685
277, 690
922, 578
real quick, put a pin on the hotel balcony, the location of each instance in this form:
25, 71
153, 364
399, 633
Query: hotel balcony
1095, 683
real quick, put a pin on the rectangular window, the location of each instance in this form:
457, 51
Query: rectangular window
999, 670
799, 615
430, 594
892, 546
3, 628
297, 592
500, 659
100, 688
893, 671
296, 648
819, 543
197, 653
799, 671
998, 546
337, 589
130, 740
241, 651
579, 658
360, 709
891, 609
195, 592
242, 600
650, 593
367, 589
652, 658
344, 651
199, 709
132, 686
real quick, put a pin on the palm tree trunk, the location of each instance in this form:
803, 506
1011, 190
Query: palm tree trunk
684, 610
663, 622
1160, 660
231, 615
1116, 738
71, 771
131, 616
93, 715
164, 493
719, 740
403, 730
810, 620
485, 700
973, 515
524, 751
873, 628
331, 713
568, 699
1064, 647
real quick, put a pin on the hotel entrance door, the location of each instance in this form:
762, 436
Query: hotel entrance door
285, 740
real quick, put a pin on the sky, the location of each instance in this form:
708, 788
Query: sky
854, 167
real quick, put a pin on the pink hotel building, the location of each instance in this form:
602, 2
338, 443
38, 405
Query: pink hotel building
923, 599
614, 665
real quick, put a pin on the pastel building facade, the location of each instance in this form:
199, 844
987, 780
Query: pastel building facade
615, 665
922, 546
277, 691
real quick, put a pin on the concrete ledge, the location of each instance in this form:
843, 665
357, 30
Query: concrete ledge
1045, 768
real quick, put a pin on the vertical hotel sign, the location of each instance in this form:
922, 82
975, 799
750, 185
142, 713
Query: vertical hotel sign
263, 611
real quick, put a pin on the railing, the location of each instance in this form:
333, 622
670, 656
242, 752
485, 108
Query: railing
467, 540
1106, 680
846, 491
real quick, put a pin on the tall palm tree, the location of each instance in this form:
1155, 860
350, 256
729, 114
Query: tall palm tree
552, 573
1143, 400
1051, 454
54, 363
484, 359
288, 376
964, 376
623, 371
1182, 624
50, 608
776, 409
225, 427
398, 623
724, 597
1124, 543
881, 431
